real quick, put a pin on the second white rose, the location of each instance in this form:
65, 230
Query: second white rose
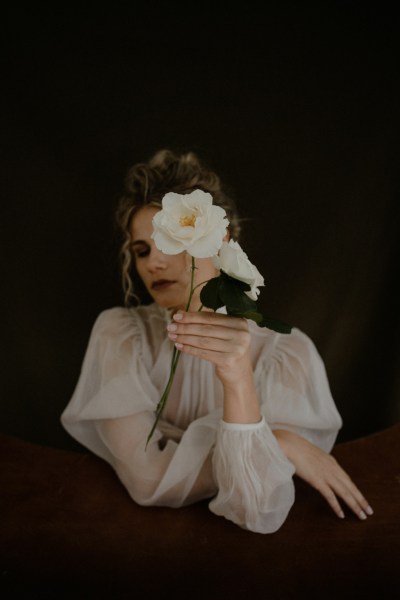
235, 263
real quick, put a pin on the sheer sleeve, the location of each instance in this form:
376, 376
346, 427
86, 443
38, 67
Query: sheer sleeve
294, 390
112, 411
241, 467
254, 478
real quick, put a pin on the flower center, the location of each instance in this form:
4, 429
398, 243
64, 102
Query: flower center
188, 221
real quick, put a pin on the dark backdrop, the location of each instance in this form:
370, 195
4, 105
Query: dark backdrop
296, 108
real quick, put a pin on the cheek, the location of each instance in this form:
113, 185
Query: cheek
182, 263
206, 269
140, 270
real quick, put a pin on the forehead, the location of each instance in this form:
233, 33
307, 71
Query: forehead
142, 223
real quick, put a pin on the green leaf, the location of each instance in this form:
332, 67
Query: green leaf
230, 292
275, 325
234, 298
210, 296
254, 316
240, 284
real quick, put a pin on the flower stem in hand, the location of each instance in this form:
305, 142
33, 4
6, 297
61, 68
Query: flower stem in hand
174, 363
161, 405
192, 288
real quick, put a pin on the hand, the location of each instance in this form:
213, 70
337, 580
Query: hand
323, 473
221, 339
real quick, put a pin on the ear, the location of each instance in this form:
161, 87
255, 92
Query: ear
227, 235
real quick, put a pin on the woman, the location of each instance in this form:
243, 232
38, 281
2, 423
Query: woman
248, 407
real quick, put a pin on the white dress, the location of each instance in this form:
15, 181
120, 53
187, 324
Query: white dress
194, 454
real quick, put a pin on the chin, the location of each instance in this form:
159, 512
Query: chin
166, 301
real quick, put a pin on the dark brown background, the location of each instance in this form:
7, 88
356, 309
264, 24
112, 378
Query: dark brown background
296, 108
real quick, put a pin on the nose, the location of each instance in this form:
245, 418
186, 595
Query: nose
157, 260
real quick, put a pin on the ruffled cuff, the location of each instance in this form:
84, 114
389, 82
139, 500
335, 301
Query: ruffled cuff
253, 476
242, 426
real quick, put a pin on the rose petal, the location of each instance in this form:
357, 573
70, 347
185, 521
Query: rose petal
203, 238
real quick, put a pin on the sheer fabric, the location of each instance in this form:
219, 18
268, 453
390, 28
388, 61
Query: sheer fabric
194, 454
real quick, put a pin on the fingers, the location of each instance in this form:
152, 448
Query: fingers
353, 499
323, 472
221, 339
330, 497
211, 318
218, 333
337, 484
200, 342
200, 330
221, 351
345, 489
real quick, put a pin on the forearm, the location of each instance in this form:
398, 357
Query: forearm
286, 440
241, 404
142, 471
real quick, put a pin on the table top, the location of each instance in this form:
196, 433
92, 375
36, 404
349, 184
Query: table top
65, 517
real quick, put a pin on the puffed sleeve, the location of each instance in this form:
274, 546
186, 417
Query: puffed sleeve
241, 467
112, 411
254, 478
294, 391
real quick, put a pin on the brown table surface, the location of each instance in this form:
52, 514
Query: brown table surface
70, 530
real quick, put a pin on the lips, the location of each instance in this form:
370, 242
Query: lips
161, 284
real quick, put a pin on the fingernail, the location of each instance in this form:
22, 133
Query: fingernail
369, 510
179, 346
172, 336
172, 327
362, 515
178, 316
341, 514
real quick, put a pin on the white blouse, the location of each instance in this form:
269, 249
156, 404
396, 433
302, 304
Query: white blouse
194, 454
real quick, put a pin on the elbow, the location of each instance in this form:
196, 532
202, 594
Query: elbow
141, 490
147, 491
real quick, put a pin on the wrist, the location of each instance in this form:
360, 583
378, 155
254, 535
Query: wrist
238, 376
240, 400
285, 439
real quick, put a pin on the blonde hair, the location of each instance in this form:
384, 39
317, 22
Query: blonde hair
145, 185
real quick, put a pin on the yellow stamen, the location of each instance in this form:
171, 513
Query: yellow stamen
188, 221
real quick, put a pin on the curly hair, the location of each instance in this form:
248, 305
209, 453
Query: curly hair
145, 185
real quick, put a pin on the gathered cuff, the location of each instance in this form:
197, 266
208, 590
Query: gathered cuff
242, 426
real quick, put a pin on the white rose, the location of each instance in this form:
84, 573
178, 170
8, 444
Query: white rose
189, 222
234, 262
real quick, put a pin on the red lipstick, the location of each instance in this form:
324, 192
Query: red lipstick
161, 284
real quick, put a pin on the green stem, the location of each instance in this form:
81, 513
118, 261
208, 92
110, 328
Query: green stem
161, 405
192, 288
174, 363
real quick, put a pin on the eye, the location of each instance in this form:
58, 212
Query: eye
140, 251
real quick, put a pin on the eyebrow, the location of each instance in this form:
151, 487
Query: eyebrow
137, 242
